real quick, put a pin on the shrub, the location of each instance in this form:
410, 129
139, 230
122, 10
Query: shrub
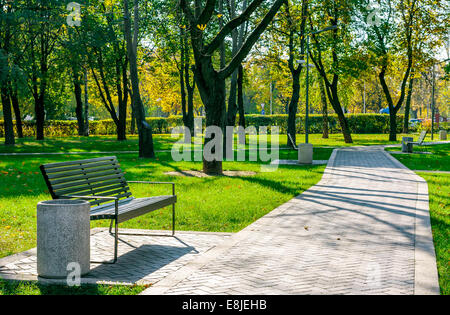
358, 123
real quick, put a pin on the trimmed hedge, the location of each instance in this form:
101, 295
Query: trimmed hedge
359, 123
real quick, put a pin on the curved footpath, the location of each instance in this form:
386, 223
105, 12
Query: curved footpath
363, 229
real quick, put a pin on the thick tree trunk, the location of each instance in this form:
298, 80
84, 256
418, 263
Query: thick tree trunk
212, 90
7, 117
17, 115
240, 84
79, 105
232, 105
86, 104
146, 149
408, 105
334, 100
392, 125
190, 112
323, 96
293, 107
39, 110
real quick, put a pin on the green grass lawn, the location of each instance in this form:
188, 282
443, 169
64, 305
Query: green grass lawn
439, 160
33, 288
439, 191
164, 142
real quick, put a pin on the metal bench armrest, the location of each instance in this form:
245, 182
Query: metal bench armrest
155, 183
115, 199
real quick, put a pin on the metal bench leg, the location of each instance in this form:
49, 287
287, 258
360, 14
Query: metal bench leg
116, 242
173, 219
110, 226
116, 239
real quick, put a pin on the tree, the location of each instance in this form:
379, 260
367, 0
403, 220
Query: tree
333, 13
187, 88
296, 27
5, 40
43, 29
390, 40
108, 60
145, 132
211, 82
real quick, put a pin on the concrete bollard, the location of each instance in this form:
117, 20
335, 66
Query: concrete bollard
305, 153
443, 135
63, 237
407, 148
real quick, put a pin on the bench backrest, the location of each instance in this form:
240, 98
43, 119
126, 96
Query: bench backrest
422, 136
100, 176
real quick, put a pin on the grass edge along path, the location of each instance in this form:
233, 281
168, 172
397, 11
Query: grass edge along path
439, 192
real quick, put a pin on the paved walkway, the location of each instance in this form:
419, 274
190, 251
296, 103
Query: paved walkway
364, 229
143, 259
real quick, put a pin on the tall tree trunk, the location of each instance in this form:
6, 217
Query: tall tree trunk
323, 97
146, 149
190, 105
39, 96
186, 89
17, 115
7, 116
39, 109
215, 116
237, 41
122, 96
86, 104
295, 71
240, 84
408, 104
334, 100
79, 103
293, 107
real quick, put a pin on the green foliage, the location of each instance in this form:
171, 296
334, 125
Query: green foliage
359, 123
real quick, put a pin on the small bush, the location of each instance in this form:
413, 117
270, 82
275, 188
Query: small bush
358, 123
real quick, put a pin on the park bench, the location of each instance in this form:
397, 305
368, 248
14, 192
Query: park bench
102, 182
407, 146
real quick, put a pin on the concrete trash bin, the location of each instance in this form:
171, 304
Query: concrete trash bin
443, 135
305, 153
407, 148
63, 238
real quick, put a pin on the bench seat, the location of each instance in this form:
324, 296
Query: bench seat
131, 208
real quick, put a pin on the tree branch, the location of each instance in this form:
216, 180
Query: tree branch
252, 39
230, 26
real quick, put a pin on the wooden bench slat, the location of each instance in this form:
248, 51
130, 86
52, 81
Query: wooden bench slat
80, 171
78, 189
99, 202
78, 166
84, 191
69, 163
89, 176
117, 178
